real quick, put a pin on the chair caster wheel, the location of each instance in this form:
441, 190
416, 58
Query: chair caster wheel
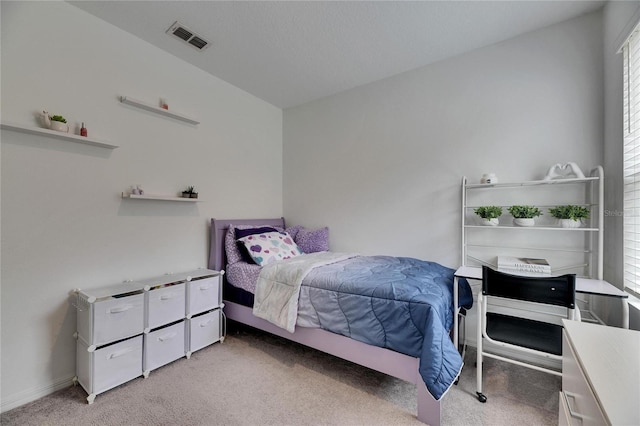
481, 397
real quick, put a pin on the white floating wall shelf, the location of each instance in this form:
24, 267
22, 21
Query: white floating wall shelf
165, 112
57, 135
158, 197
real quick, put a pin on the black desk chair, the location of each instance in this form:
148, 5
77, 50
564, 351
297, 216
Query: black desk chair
534, 326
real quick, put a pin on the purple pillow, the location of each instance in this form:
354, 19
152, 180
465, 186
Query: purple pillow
293, 231
313, 240
240, 233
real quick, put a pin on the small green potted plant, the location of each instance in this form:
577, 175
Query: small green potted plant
570, 216
524, 215
187, 192
57, 122
489, 215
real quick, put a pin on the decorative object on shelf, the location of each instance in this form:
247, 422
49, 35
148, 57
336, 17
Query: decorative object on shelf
570, 216
136, 190
56, 122
158, 110
163, 103
564, 171
189, 193
83, 130
524, 215
489, 178
489, 215
523, 266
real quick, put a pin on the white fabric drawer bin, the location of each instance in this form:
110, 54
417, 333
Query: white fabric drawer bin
204, 330
163, 346
165, 305
109, 366
203, 294
109, 319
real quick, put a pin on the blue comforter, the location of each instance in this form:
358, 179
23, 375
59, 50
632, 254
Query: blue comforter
399, 303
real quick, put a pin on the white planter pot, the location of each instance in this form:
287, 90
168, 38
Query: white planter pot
570, 223
524, 221
489, 222
60, 127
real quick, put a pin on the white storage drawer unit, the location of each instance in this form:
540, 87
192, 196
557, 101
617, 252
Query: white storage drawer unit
204, 330
203, 294
109, 314
163, 346
104, 368
600, 373
126, 330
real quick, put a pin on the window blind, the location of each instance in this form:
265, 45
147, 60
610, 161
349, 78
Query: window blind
631, 162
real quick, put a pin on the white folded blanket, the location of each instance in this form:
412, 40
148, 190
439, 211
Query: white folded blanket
278, 286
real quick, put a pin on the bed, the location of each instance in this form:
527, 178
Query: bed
408, 366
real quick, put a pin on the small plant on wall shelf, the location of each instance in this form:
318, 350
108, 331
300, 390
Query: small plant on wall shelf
189, 192
524, 215
58, 118
570, 216
489, 214
55, 122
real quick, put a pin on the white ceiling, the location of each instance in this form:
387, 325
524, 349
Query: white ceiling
289, 53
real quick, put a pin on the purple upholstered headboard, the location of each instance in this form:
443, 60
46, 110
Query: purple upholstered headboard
217, 255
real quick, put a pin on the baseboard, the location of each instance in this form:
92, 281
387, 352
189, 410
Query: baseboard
29, 395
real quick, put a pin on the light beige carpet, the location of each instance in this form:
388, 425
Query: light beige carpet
258, 379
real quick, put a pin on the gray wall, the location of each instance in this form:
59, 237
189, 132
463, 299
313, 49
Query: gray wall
64, 225
382, 164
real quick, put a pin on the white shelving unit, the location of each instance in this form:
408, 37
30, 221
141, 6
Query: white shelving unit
568, 250
57, 135
160, 111
159, 197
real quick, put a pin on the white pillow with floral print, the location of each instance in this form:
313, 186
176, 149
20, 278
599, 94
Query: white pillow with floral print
270, 247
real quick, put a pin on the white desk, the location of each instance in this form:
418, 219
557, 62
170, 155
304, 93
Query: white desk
583, 285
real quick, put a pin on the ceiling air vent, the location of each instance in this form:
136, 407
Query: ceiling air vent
188, 36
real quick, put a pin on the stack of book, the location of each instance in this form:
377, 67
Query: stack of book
524, 266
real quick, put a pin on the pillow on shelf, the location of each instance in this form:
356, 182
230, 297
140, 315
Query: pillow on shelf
231, 246
269, 247
313, 240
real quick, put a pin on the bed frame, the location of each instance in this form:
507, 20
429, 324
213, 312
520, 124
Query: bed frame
386, 361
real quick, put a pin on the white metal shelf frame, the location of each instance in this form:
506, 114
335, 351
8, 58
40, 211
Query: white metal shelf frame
536, 228
594, 185
536, 182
